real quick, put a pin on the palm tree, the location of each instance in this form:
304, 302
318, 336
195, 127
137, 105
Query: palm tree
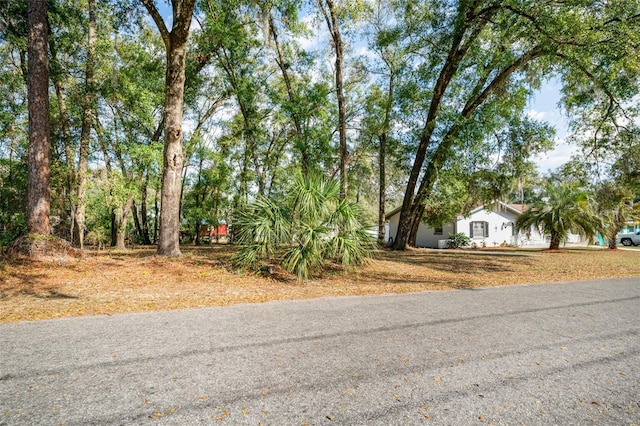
302, 229
565, 208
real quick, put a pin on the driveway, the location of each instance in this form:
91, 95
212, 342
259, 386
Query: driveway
545, 354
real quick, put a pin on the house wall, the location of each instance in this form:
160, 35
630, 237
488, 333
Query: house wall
500, 227
392, 229
426, 236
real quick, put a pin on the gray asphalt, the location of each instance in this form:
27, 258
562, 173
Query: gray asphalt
536, 355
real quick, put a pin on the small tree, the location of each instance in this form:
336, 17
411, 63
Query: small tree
564, 208
303, 229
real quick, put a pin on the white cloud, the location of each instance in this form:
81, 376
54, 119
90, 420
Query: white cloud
537, 115
555, 158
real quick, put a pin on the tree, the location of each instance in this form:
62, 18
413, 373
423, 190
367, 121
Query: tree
39, 201
383, 41
283, 62
330, 13
565, 208
128, 126
14, 134
87, 120
175, 42
481, 69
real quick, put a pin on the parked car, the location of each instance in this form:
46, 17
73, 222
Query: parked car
630, 239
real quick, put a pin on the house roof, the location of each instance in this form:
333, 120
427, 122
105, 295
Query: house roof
520, 207
393, 212
514, 208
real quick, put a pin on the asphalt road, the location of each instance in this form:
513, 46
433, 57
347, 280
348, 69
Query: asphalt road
535, 355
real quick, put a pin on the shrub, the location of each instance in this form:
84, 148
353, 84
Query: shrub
459, 240
300, 231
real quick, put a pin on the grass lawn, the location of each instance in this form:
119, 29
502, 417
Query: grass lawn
110, 282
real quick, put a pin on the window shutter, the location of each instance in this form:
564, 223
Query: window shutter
471, 230
486, 229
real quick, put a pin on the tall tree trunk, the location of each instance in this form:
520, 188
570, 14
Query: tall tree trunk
415, 224
38, 197
87, 118
114, 228
409, 212
156, 219
413, 203
301, 142
382, 156
107, 163
175, 43
169, 237
146, 240
382, 187
334, 28
136, 220
243, 198
196, 238
121, 217
65, 128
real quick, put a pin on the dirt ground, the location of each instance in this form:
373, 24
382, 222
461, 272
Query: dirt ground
111, 282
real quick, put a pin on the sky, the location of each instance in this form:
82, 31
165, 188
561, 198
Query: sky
545, 106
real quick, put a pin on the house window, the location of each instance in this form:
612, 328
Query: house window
479, 229
437, 230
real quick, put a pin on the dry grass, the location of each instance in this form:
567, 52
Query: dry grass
109, 282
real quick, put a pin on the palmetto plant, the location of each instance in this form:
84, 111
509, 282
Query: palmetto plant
302, 229
564, 209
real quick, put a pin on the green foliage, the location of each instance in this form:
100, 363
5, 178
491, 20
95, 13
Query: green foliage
626, 166
13, 196
15, 226
277, 113
459, 240
565, 208
303, 229
615, 206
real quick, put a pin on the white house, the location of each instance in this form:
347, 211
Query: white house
488, 225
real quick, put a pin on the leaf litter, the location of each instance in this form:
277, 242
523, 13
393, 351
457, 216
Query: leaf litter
112, 282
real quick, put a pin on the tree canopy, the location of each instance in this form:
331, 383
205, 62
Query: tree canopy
167, 117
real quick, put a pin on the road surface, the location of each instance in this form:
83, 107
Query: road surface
541, 354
